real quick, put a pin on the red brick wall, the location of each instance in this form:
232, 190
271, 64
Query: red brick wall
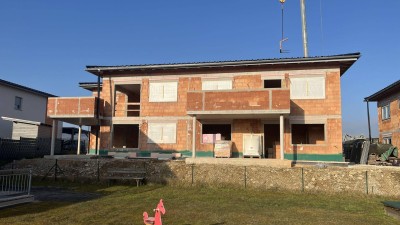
107, 95
120, 104
247, 82
331, 105
280, 99
238, 100
391, 125
164, 108
243, 100
84, 106
182, 137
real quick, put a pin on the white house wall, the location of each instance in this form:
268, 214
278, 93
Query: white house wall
33, 108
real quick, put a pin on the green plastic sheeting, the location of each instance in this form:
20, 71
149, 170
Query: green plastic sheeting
392, 151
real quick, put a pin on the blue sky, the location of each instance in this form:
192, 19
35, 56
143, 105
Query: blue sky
47, 44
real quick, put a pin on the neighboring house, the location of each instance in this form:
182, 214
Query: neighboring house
291, 107
23, 105
388, 100
28, 129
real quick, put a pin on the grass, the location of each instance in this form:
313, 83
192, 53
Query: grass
196, 205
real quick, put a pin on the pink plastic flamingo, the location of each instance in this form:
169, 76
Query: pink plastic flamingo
156, 220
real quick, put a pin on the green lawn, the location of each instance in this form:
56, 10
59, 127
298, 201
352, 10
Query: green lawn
209, 206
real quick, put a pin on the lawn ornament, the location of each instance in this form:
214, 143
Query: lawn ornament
156, 220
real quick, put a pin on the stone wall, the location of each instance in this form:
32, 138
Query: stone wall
383, 181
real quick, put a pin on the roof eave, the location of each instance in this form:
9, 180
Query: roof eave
351, 58
383, 92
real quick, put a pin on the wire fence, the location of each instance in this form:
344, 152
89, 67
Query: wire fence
27, 148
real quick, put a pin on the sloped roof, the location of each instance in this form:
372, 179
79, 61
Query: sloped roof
345, 60
24, 88
389, 90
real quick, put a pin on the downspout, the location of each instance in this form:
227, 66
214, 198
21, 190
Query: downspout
97, 152
369, 123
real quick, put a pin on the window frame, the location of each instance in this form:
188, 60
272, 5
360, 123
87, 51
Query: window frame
18, 106
386, 108
164, 125
387, 140
153, 97
307, 80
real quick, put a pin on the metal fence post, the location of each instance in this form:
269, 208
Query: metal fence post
98, 170
366, 182
245, 177
193, 174
30, 181
302, 179
55, 171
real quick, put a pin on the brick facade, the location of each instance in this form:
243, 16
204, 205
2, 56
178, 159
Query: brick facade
246, 107
390, 127
190, 97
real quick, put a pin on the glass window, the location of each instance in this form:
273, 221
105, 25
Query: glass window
387, 140
18, 103
386, 112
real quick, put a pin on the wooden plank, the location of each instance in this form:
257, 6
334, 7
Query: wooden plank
364, 153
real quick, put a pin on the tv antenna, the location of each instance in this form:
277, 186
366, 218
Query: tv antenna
283, 39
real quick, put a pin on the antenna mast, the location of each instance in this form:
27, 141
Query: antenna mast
283, 39
304, 27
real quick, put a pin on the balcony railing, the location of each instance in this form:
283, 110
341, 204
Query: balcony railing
246, 101
130, 109
74, 107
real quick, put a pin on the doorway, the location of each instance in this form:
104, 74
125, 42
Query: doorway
271, 140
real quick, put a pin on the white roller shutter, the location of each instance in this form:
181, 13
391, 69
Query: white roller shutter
156, 92
316, 87
298, 88
163, 92
216, 85
307, 88
161, 133
170, 91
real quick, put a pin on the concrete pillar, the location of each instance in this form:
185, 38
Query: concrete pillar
281, 136
194, 138
53, 137
78, 152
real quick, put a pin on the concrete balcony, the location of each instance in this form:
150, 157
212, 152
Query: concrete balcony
75, 110
260, 103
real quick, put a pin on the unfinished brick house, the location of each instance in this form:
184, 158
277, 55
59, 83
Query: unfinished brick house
388, 102
292, 104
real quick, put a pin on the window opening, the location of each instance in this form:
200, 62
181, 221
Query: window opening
215, 132
308, 134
